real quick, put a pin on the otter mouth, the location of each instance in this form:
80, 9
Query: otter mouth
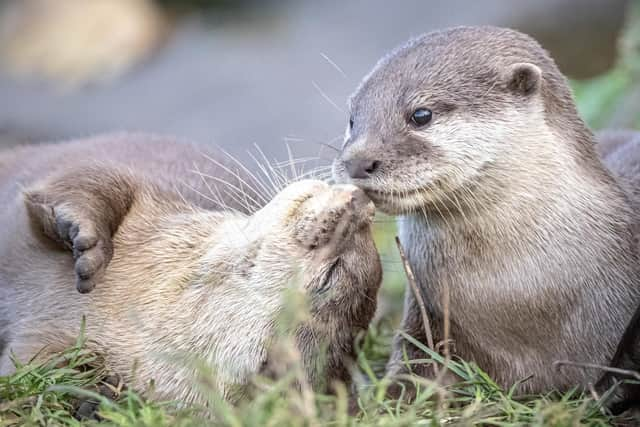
406, 201
377, 194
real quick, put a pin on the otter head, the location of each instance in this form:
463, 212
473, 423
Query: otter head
318, 239
448, 113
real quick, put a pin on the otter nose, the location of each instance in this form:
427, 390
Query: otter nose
361, 168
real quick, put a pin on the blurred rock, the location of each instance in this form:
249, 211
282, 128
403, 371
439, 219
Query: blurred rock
581, 35
73, 42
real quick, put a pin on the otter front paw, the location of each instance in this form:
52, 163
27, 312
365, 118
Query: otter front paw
332, 216
74, 229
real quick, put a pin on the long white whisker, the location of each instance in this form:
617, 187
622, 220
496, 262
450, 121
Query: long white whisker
274, 187
326, 97
276, 174
230, 186
234, 174
326, 58
291, 162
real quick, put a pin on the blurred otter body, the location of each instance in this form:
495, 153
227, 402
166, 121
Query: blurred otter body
619, 150
472, 137
177, 275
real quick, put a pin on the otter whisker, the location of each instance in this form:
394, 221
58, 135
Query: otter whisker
274, 187
333, 64
326, 97
438, 192
316, 173
237, 192
278, 175
204, 181
457, 204
210, 189
256, 179
435, 205
184, 200
472, 201
322, 144
204, 196
296, 161
292, 163
235, 174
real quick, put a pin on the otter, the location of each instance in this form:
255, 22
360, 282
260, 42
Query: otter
619, 147
173, 266
471, 137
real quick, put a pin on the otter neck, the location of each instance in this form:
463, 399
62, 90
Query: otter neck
200, 287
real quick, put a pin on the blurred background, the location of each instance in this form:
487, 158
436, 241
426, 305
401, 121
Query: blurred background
242, 72
271, 72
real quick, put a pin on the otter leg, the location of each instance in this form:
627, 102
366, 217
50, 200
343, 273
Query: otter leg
81, 211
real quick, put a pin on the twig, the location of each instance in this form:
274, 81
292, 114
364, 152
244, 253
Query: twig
446, 298
442, 404
416, 292
626, 372
594, 394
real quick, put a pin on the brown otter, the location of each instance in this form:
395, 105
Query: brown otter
619, 148
184, 275
471, 136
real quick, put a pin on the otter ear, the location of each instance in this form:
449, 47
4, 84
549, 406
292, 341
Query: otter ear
523, 78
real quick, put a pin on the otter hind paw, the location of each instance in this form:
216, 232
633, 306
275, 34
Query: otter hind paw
92, 250
73, 229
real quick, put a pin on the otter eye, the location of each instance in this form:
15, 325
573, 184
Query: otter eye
421, 116
326, 280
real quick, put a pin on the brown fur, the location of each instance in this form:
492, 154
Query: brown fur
618, 149
503, 202
178, 273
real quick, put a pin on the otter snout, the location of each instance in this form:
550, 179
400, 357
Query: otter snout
360, 168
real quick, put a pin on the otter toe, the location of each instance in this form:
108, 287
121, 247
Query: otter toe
92, 255
91, 251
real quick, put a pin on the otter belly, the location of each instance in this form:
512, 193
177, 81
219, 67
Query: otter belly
503, 306
184, 286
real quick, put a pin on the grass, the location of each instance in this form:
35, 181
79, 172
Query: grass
50, 393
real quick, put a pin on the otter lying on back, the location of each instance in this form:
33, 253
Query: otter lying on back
176, 273
471, 136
